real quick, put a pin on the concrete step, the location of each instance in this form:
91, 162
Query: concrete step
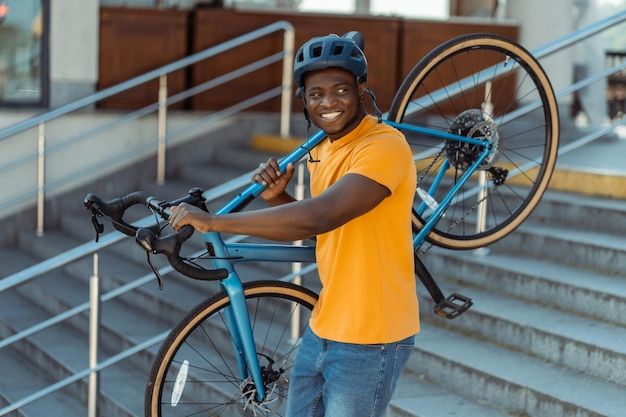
126, 320
124, 324
61, 350
581, 212
510, 380
13, 260
583, 292
568, 340
52, 355
600, 252
22, 377
415, 396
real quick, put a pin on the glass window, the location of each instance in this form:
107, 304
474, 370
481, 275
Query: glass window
23, 63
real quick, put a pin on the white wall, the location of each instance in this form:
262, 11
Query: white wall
74, 49
543, 21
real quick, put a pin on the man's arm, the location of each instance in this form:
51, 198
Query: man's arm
348, 198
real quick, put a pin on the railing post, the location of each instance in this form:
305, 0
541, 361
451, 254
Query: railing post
41, 178
94, 336
481, 214
162, 129
285, 100
296, 267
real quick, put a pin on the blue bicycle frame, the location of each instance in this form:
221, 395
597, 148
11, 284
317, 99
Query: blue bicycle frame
227, 254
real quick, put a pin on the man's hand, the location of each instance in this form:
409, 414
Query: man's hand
269, 174
184, 214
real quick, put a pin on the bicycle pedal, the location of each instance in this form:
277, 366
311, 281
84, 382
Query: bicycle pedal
453, 306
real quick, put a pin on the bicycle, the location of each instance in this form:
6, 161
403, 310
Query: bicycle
482, 119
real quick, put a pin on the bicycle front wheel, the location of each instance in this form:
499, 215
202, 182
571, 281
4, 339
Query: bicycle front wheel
489, 88
196, 370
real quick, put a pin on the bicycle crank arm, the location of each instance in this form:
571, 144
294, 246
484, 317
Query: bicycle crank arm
449, 308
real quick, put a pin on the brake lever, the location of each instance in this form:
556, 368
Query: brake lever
99, 227
155, 271
143, 239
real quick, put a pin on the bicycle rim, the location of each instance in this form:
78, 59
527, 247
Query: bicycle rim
196, 372
490, 88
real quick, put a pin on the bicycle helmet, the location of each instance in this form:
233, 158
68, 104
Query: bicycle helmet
331, 51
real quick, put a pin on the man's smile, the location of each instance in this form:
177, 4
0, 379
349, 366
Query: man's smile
330, 116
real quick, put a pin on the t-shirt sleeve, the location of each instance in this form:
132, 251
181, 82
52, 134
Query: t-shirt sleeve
382, 158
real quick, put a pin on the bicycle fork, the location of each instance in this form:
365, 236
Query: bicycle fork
240, 329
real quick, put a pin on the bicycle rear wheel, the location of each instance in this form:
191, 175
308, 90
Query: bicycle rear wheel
196, 373
490, 88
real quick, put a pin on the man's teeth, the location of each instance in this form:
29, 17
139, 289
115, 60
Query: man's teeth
331, 115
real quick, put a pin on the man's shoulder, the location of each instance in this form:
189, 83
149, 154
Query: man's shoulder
381, 134
373, 127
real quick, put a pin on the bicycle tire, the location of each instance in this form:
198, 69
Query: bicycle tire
200, 349
447, 90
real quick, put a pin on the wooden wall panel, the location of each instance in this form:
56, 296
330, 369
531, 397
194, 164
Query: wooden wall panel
213, 26
134, 41
421, 37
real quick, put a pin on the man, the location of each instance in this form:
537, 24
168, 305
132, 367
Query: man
362, 184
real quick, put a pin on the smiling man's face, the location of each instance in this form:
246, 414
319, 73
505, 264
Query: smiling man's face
334, 101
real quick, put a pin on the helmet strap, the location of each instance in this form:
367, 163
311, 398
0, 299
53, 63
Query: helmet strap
379, 115
308, 119
308, 127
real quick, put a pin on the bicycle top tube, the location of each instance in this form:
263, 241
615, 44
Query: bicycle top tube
437, 133
254, 189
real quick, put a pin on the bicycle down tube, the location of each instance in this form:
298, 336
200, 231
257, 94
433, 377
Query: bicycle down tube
442, 206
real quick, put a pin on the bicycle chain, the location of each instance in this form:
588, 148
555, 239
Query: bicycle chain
456, 222
427, 169
491, 127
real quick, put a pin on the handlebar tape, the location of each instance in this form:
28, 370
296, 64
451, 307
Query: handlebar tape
116, 207
170, 246
147, 236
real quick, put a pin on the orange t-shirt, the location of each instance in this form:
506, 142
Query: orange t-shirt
366, 266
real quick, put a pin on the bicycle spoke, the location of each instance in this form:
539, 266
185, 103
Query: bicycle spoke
197, 373
488, 89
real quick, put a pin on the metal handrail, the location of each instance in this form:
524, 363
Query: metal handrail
569, 40
154, 74
111, 238
284, 90
579, 35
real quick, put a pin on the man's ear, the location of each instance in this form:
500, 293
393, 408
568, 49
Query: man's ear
362, 88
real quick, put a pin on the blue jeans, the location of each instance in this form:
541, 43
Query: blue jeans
342, 379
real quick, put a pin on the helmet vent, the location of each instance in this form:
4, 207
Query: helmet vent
338, 50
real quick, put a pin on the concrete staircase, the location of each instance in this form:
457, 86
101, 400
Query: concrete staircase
546, 336
547, 333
